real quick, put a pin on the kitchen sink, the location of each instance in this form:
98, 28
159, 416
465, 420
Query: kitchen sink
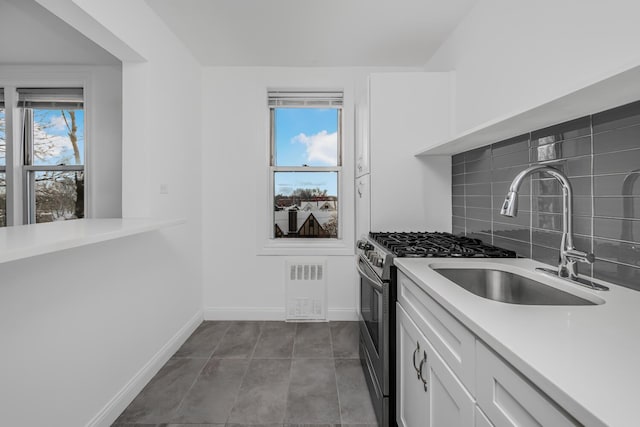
512, 288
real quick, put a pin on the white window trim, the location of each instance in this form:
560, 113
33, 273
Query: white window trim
344, 244
12, 77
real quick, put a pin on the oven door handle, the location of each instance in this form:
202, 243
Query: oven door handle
374, 282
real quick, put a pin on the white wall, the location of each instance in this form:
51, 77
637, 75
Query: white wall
407, 110
86, 328
30, 34
103, 121
79, 326
511, 56
239, 283
244, 277
104, 151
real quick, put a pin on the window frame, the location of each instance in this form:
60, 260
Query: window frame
59, 77
26, 145
338, 169
262, 214
29, 169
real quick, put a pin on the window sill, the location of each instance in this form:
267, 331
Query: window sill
311, 247
24, 241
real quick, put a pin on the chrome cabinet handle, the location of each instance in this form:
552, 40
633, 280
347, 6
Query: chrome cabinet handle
416, 351
422, 363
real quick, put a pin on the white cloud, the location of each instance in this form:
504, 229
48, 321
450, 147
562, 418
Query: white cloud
58, 123
49, 146
321, 147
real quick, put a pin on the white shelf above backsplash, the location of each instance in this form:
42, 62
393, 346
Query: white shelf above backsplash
616, 89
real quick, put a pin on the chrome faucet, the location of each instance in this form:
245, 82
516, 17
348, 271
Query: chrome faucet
569, 255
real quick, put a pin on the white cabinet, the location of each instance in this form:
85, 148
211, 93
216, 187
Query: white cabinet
362, 139
411, 399
405, 110
363, 199
455, 343
467, 383
508, 399
428, 393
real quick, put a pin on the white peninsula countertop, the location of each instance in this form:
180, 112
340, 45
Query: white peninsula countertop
23, 241
586, 358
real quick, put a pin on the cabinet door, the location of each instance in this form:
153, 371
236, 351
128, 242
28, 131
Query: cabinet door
363, 207
362, 139
428, 393
453, 342
412, 408
509, 400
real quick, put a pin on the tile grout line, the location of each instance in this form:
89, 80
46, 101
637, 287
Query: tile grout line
246, 370
335, 373
286, 398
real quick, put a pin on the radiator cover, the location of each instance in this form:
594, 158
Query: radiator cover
306, 293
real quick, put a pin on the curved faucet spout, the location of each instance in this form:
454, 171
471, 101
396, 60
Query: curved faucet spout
569, 256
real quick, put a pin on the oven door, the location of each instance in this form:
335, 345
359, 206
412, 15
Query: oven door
374, 322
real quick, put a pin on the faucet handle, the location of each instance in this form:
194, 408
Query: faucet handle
576, 255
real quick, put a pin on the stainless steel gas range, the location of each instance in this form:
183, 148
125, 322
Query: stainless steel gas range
376, 253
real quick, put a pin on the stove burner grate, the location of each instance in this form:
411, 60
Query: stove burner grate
437, 244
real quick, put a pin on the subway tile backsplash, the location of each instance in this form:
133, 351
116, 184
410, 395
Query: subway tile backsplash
601, 156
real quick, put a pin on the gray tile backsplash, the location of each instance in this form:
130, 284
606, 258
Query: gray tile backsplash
601, 156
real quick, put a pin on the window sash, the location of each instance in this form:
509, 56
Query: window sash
44, 99
28, 141
272, 144
305, 99
306, 169
339, 197
29, 191
57, 168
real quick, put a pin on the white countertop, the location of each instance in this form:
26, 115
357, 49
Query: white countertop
586, 358
23, 241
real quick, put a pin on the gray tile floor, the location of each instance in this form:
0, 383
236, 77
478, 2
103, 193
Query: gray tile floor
258, 373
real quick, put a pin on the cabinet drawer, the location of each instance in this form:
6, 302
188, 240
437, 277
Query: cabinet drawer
454, 342
509, 399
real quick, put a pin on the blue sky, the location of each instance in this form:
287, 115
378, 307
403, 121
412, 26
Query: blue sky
52, 144
306, 136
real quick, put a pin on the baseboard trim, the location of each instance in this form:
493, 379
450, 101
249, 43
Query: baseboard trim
269, 313
244, 313
343, 314
125, 396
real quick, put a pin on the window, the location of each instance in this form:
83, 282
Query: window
45, 165
306, 163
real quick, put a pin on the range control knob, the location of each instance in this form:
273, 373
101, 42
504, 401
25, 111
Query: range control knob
364, 245
378, 262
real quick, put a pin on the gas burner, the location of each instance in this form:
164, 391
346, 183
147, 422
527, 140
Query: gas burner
437, 244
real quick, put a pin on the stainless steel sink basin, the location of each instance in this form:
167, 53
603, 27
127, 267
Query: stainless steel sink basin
504, 286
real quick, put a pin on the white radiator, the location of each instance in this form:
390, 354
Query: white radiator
306, 289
